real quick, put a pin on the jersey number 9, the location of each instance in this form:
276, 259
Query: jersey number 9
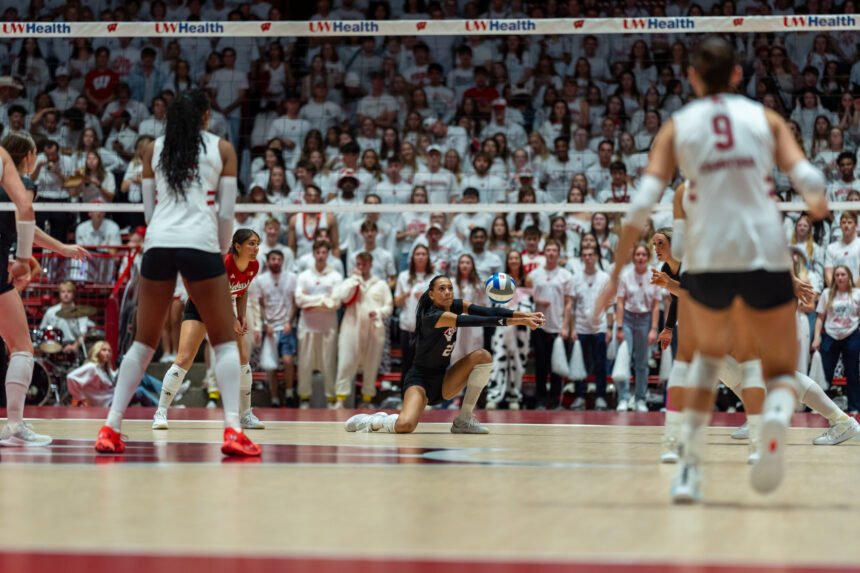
723, 129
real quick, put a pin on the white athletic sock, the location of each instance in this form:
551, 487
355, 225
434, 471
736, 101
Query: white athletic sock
131, 372
672, 425
754, 426
780, 403
19, 374
693, 434
16, 397
173, 379
478, 379
815, 398
245, 381
389, 422
227, 374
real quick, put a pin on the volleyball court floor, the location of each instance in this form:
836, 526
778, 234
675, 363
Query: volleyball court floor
545, 492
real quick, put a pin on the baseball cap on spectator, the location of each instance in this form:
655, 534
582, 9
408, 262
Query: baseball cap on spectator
61, 71
429, 122
526, 174
434, 227
292, 95
376, 75
352, 80
500, 102
434, 148
346, 174
10, 82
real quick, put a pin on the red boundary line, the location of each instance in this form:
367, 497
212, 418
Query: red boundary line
34, 562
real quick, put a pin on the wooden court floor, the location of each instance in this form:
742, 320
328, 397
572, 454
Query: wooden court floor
544, 492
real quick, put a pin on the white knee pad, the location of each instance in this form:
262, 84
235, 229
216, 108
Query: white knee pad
804, 383
794, 381
752, 377
678, 375
20, 369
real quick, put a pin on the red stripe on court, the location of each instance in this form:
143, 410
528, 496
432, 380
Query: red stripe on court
117, 563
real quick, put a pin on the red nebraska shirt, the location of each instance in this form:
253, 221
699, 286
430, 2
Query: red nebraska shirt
240, 280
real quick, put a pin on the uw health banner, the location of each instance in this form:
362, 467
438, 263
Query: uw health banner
335, 28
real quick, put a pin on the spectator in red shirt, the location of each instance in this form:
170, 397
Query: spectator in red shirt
100, 82
483, 93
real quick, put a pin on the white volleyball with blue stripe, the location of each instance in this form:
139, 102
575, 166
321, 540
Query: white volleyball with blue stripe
500, 288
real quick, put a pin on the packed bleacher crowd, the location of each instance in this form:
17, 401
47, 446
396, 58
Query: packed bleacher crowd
435, 119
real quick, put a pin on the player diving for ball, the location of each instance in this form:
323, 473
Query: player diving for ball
430, 380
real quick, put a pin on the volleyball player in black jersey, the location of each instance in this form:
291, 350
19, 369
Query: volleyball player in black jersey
430, 379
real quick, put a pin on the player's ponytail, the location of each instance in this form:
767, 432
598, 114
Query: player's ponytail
239, 238
182, 140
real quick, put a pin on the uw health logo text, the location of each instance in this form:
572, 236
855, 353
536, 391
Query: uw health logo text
341, 27
659, 23
818, 21
500, 25
54, 28
189, 28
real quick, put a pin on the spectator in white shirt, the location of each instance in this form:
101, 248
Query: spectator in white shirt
155, 124
486, 263
501, 123
845, 252
229, 87
63, 95
438, 181
636, 316
593, 334
382, 266
491, 188
137, 112
448, 136
275, 290
378, 105
463, 223
98, 231
318, 324
552, 296
558, 172
836, 332
73, 329
619, 190
290, 129
321, 113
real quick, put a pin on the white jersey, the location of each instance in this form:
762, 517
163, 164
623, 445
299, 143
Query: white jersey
725, 148
189, 222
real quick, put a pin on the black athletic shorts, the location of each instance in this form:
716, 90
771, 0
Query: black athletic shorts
190, 312
430, 380
761, 290
162, 264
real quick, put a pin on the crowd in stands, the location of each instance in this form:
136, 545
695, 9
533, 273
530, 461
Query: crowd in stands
435, 119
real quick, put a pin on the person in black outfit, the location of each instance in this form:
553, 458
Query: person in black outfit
432, 378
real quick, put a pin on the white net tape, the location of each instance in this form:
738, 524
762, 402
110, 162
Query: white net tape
414, 208
526, 26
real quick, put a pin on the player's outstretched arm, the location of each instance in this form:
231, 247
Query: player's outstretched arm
451, 320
